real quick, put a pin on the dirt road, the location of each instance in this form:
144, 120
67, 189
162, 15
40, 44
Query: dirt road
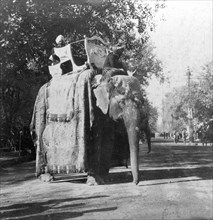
176, 183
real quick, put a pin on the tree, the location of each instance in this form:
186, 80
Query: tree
175, 109
28, 30
153, 116
29, 27
203, 94
176, 102
144, 63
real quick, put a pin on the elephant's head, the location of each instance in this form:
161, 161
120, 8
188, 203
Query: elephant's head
113, 94
120, 97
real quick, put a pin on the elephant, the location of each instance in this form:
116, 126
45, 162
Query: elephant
74, 122
77, 116
119, 100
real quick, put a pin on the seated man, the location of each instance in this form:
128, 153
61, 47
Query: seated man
112, 65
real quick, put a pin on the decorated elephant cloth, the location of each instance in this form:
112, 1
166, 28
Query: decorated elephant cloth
120, 86
128, 85
62, 120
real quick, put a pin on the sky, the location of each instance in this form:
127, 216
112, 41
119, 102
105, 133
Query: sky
182, 38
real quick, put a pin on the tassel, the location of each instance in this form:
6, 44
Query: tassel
67, 169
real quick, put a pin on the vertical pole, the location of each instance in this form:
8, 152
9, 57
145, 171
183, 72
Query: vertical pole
19, 149
163, 110
190, 115
163, 120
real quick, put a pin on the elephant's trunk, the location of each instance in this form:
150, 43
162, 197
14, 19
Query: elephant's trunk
134, 151
131, 121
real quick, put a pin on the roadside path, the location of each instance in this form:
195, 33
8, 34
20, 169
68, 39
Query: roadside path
176, 183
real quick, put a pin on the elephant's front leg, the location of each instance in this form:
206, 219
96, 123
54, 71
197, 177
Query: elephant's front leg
101, 150
107, 142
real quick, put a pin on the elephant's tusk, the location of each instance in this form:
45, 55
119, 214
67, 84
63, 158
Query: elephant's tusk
134, 71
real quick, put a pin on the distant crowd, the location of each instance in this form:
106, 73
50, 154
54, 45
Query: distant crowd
202, 133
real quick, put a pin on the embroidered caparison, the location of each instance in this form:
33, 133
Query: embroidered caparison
62, 119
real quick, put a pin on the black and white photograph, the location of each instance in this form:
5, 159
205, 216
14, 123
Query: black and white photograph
106, 109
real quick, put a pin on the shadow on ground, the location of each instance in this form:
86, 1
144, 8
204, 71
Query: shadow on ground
17, 173
51, 209
169, 161
166, 161
201, 173
173, 155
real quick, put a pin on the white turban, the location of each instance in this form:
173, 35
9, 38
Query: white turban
60, 38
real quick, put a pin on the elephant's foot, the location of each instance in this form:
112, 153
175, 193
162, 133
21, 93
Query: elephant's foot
46, 177
94, 181
136, 182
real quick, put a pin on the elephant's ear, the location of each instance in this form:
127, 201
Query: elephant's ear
102, 97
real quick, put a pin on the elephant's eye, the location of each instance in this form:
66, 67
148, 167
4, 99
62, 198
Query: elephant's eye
122, 102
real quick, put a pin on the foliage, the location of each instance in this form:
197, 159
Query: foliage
203, 94
145, 64
175, 106
153, 116
175, 109
29, 27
